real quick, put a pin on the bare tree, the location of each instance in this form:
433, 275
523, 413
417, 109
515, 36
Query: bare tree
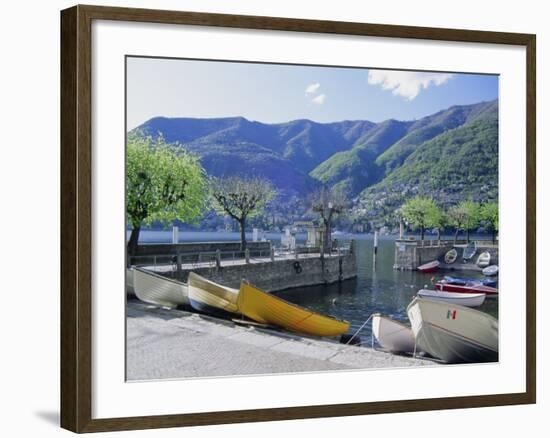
241, 198
328, 203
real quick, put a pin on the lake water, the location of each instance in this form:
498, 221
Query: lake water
376, 289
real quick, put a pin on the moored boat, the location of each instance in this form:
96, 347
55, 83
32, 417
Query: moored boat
210, 297
469, 251
463, 299
429, 267
266, 308
484, 259
490, 270
155, 289
464, 280
392, 335
130, 282
450, 256
452, 333
466, 288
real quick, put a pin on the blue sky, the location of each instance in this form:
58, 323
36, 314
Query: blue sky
273, 93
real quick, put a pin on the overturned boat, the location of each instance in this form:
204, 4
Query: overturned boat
266, 308
153, 288
392, 335
452, 333
210, 297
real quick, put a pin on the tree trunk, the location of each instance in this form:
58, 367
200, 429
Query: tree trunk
494, 235
243, 234
133, 242
422, 234
456, 235
468, 235
438, 237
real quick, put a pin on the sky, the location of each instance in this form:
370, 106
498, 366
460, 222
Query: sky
276, 93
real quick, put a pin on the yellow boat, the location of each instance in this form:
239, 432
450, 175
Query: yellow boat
265, 308
209, 297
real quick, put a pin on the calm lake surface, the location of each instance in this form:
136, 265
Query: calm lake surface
377, 288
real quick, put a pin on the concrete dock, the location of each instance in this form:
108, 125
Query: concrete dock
166, 344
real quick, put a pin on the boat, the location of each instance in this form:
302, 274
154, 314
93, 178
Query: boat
469, 251
392, 335
156, 289
490, 270
463, 299
210, 297
130, 282
453, 333
266, 308
429, 267
466, 288
450, 256
464, 280
484, 259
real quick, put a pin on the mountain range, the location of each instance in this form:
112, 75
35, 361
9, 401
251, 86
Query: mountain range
451, 153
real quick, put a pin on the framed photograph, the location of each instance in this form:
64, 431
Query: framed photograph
269, 218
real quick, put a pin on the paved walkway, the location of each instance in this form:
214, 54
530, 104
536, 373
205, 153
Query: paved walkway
164, 344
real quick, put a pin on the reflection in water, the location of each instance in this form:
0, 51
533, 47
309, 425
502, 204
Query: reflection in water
381, 289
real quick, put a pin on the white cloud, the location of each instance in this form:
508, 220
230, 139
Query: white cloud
319, 100
407, 84
312, 88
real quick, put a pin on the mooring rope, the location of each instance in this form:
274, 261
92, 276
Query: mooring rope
360, 328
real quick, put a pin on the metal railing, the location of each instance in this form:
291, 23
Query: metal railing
210, 259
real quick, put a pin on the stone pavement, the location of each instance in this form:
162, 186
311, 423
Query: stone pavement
166, 344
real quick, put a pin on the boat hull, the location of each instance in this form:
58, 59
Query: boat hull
462, 299
209, 297
158, 290
471, 288
429, 267
454, 334
392, 335
490, 270
463, 281
130, 282
265, 308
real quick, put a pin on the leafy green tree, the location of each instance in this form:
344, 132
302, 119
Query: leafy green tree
489, 215
464, 216
162, 184
241, 198
422, 212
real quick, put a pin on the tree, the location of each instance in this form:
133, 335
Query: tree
489, 215
464, 216
328, 203
162, 184
241, 198
422, 212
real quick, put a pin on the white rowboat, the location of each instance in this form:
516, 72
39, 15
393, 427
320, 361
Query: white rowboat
130, 282
452, 333
155, 289
392, 335
484, 259
463, 299
450, 256
490, 270
210, 297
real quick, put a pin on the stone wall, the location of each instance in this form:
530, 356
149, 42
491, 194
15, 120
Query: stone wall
282, 274
409, 255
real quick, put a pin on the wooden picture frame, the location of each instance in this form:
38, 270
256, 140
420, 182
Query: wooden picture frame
76, 217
